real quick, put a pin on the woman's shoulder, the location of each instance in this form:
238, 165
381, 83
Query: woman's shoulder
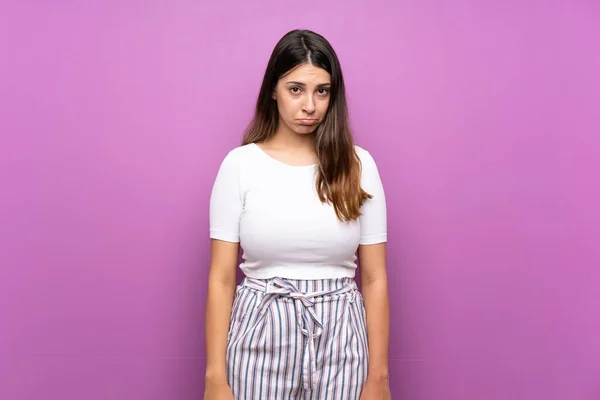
363, 154
238, 154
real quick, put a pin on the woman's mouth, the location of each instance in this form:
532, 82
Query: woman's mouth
307, 121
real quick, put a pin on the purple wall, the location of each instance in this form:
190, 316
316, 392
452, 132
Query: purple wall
483, 119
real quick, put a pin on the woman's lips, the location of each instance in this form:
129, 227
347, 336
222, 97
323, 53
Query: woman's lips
307, 121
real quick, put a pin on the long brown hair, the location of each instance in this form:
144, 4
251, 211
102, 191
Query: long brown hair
338, 178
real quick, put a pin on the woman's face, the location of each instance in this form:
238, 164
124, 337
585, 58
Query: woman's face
302, 98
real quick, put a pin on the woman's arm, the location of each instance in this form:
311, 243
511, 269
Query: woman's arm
221, 289
373, 277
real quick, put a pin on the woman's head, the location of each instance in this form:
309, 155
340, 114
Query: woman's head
303, 89
303, 81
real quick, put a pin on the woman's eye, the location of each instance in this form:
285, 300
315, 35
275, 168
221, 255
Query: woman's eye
295, 90
323, 91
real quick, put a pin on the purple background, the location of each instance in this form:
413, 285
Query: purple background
483, 119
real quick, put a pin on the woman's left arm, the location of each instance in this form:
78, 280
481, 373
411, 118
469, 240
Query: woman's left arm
373, 277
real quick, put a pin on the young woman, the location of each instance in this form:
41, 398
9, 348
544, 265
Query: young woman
301, 199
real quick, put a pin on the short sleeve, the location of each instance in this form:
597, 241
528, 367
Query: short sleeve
226, 201
373, 221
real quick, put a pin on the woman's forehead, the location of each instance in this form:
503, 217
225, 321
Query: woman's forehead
308, 73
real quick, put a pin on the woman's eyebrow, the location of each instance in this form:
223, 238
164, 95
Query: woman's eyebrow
304, 84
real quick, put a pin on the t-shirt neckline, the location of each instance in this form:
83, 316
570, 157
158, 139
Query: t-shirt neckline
265, 154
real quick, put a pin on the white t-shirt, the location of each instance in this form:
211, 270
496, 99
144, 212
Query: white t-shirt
273, 210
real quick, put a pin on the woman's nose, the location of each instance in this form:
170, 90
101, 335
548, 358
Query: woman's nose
309, 104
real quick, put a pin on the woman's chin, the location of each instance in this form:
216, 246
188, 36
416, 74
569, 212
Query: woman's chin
306, 129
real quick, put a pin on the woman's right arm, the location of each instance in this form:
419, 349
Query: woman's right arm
221, 289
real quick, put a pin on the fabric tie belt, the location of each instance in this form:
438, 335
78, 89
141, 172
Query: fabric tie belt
305, 312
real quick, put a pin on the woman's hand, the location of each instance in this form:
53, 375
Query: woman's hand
217, 391
376, 389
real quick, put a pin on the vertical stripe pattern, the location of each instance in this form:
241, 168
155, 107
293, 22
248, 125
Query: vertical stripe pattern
297, 339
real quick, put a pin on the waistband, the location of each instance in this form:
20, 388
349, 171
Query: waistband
303, 285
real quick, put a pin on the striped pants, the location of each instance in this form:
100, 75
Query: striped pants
297, 339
